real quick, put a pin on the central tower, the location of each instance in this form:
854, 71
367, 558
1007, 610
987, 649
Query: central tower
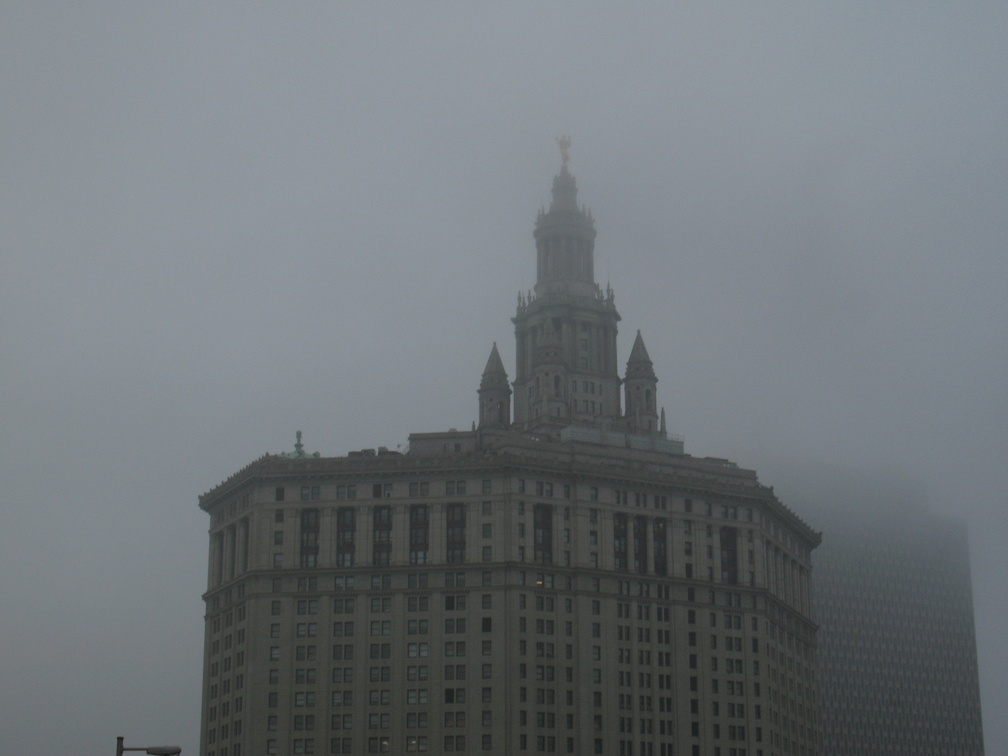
565, 330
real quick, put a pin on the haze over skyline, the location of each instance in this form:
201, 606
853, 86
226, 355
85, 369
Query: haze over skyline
221, 224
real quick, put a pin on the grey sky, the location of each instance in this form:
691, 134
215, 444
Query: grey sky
223, 223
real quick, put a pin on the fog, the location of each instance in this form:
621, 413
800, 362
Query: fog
220, 224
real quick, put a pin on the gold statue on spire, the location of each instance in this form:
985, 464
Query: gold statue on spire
564, 143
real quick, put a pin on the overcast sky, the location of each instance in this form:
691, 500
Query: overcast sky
223, 223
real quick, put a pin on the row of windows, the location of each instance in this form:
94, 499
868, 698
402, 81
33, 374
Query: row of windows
543, 744
542, 489
458, 602
380, 490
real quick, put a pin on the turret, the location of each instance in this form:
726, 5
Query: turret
641, 386
494, 393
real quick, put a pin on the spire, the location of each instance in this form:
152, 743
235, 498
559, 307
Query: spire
495, 366
494, 393
640, 388
639, 362
564, 144
564, 186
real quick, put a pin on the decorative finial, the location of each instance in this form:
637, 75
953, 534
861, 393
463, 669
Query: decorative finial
564, 143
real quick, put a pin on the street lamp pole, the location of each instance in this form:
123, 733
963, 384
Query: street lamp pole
152, 750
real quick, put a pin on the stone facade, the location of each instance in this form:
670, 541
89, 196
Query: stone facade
566, 580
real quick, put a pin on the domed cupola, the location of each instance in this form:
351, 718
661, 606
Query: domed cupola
565, 239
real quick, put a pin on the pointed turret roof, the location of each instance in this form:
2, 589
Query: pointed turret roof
639, 365
495, 366
639, 355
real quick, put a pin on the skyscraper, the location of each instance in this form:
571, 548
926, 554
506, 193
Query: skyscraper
897, 652
560, 579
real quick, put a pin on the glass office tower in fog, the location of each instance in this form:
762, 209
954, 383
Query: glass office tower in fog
897, 652
560, 578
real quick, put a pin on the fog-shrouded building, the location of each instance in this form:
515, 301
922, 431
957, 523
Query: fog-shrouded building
560, 578
897, 650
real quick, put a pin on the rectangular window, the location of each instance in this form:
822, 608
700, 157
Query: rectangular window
455, 523
381, 541
346, 532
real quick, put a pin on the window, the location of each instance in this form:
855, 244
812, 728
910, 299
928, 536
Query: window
418, 603
455, 625
417, 580
454, 696
455, 522
454, 648
345, 583
381, 541
380, 651
379, 697
416, 696
416, 673
343, 606
454, 671
417, 627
